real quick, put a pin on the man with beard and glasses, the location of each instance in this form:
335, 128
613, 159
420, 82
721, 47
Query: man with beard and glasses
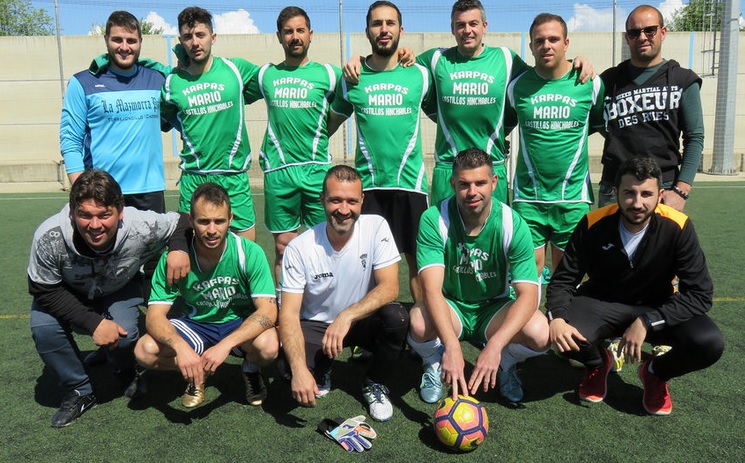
649, 103
339, 285
295, 153
615, 280
206, 102
229, 305
386, 103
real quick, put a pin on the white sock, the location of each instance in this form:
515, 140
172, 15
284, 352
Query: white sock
429, 351
248, 367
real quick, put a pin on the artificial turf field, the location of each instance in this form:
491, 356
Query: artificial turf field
552, 425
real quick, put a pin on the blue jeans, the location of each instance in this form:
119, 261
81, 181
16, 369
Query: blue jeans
59, 351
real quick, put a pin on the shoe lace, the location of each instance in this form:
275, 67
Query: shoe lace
429, 380
377, 392
191, 389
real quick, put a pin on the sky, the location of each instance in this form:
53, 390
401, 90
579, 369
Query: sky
79, 17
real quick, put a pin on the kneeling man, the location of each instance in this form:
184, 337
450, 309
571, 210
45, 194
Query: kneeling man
229, 305
469, 245
339, 285
630, 253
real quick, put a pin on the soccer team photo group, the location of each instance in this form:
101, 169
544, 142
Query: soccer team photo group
443, 278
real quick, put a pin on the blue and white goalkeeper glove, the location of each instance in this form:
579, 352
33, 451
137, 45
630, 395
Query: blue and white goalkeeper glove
353, 434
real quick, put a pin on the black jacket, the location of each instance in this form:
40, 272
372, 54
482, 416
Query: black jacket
669, 248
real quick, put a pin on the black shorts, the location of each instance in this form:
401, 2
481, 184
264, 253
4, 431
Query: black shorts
402, 210
154, 201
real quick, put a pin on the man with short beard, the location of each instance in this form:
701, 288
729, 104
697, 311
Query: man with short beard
629, 252
206, 102
339, 285
111, 117
295, 154
386, 103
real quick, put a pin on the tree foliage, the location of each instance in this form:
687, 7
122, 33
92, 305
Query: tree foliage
19, 17
698, 15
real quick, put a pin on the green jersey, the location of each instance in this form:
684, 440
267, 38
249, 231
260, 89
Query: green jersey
209, 111
297, 104
555, 117
477, 268
469, 99
225, 292
386, 107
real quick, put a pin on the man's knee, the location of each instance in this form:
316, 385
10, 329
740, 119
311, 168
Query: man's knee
146, 351
264, 349
394, 317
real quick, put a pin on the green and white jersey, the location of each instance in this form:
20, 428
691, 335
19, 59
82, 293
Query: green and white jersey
298, 99
386, 107
469, 99
476, 267
209, 112
555, 118
223, 293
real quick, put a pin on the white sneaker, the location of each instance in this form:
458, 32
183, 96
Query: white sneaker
324, 386
379, 406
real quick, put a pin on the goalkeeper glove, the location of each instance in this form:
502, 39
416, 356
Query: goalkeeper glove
353, 434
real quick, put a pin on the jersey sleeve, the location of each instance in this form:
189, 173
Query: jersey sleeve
73, 126
596, 111
168, 109
430, 244
160, 292
292, 279
250, 75
693, 132
386, 252
521, 255
518, 65
257, 270
429, 105
253, 91
340, 105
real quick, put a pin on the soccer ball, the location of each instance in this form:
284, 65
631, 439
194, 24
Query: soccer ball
461, 424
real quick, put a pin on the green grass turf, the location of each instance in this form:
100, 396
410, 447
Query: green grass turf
551, 426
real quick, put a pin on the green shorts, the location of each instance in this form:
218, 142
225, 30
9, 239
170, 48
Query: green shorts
475, 317
441, 188
292, 197
551, 222
238, 188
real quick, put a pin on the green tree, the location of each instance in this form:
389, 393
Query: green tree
19, 17
698, 15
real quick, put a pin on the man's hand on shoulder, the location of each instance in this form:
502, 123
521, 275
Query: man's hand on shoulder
177, 266
586, 71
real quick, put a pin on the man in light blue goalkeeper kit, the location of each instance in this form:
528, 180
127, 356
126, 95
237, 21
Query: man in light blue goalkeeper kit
111, 117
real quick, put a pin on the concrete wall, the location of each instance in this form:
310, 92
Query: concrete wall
31, 90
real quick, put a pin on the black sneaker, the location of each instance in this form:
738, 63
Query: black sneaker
255, 388
134, 382
73, 405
